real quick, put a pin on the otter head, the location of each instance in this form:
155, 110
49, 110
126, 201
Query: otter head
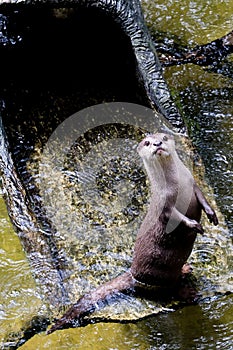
156, 147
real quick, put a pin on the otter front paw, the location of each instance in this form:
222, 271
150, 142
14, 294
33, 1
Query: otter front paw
212, 217
196, 226
199, 229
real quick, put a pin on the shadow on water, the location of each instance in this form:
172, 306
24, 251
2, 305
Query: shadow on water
62, 67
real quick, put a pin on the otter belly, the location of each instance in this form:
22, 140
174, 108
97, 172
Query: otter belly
159, 260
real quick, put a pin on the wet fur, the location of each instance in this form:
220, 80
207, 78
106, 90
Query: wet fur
166, 236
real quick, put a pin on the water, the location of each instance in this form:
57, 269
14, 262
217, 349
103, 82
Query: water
206, 100
19, 295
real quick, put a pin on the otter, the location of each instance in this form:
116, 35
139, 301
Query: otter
166, 236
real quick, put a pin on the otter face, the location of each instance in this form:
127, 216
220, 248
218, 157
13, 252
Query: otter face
157, 146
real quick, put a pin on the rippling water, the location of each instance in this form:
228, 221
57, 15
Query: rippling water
206, 99
18, 293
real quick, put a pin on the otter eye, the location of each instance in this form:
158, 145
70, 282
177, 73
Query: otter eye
165, 138
146, 143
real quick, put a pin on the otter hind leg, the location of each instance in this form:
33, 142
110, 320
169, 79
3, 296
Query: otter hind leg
186, 269
187, 291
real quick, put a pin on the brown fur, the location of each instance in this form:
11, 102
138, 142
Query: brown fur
166, 236
159, 253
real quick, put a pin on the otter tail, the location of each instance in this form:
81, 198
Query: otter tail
93, 300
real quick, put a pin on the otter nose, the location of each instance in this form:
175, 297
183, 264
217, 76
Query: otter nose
157, 144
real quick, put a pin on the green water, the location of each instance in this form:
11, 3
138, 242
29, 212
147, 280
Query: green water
206, 99
18, 293
194, 22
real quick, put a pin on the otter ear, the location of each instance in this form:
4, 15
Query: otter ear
171, 137
165, 130
167, 137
